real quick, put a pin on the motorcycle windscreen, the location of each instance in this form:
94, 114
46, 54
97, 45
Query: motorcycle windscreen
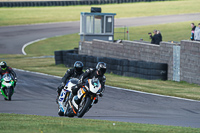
6, 77
72, 82
94, 85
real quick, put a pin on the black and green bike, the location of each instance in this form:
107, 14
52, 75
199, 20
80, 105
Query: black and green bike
7, 86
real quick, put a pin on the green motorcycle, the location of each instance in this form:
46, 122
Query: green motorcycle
7, 86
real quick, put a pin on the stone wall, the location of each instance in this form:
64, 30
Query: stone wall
163, 53
190, 61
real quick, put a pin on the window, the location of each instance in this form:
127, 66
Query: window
89, 24
98, 24
109, 24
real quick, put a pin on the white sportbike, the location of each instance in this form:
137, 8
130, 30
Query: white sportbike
86, 97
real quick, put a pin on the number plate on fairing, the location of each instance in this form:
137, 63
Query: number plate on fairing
62, 95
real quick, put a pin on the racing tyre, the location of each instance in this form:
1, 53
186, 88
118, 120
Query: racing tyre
69, 113
60, 113
9, 93
84, 106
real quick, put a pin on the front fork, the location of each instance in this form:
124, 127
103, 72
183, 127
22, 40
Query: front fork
93, 98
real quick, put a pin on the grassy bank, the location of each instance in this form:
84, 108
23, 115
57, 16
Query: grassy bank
32, 15
42, 124
47, 65
170, 32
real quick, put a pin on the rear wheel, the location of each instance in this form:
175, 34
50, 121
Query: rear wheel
84, 106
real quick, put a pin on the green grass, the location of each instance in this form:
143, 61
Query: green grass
17, 123
170, 32
48, 46
47, 65
32, 15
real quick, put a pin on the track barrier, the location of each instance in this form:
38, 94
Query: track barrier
68, 3
125, 67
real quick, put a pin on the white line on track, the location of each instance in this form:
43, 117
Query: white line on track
29, 43
118, 88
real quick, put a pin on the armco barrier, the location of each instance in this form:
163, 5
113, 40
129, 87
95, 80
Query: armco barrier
68, 3
125, 67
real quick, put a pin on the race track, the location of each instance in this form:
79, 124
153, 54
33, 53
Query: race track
36, 93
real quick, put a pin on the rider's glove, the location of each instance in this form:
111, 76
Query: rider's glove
61, 85
101, 94
80, 82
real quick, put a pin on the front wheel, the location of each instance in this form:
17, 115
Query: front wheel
9, 93
60, 113
84, 106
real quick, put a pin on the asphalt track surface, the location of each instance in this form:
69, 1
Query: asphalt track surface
36, 93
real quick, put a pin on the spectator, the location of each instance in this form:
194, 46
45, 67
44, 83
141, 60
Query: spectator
155, 38
197, 33
160, 36
192, 31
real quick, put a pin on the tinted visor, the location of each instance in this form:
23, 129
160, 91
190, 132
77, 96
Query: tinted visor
79, 69
102, 71
3, 66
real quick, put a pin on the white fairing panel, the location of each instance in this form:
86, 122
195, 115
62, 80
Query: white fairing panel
70, 85
94, 87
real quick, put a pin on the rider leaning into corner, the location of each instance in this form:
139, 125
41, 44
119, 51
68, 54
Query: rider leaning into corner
89, 74
71, 73
6, 69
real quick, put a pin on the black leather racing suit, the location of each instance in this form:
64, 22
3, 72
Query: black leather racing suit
71, 73
89, 74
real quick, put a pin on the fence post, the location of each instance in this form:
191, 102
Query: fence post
127, 33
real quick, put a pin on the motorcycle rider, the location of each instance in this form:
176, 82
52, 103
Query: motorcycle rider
89, 74
6, 69
71, 73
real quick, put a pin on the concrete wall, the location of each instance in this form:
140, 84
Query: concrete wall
163, 53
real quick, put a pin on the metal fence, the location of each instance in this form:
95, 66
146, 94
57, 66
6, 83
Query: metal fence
68, 3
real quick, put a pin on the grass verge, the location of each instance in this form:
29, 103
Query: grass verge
170, 32
47, 65
16, 123
32, 15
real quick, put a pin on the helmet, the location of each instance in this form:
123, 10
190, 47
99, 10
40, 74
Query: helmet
78, 65
3, 65
101, 68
